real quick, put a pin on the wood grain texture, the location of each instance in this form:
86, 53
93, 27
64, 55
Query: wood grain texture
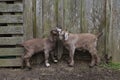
15, 62
28, 19
10, 40
39, 18
60, 22
11, 19
72, 15
115, 26
60, 13
95, 21
11, 30
17, 7
49, 20
11, 51
10, 0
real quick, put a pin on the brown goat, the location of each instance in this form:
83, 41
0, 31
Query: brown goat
41, 44
85, 41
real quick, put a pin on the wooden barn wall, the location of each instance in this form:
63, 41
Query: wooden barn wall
11, 32
115, 30
79, 16
16, 26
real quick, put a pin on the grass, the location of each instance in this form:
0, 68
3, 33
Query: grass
115, 66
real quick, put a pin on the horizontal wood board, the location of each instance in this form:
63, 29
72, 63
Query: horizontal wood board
18, 51
11, 30
11, 19
10, 40
16, 7
10, 62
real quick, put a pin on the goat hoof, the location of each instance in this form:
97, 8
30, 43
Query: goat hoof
47, 65
55, 61
71, 65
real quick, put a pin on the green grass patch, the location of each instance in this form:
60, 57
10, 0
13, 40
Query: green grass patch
112, 66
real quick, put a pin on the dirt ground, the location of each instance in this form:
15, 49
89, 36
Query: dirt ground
60, 71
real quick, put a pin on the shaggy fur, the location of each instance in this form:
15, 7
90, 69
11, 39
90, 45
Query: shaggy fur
41, 44
85, 41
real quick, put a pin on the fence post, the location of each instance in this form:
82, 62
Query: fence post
28, 19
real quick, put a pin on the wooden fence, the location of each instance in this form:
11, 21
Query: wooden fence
14, 29
78, 16
21, 20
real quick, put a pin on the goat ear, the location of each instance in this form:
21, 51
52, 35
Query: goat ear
52, 33
66, 35
58, 29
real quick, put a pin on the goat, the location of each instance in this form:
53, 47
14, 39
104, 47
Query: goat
40, 44
85, 41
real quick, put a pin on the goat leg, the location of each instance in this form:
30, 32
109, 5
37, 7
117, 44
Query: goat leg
72, 50
46, 52
53, 57
27, 57
93, 55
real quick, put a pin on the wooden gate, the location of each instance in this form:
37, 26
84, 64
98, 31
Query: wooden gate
15, 27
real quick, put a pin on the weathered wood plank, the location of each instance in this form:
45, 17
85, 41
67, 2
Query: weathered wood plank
10, 40
95, 21
11, 30
11, 19
10, 0
49, 19
66, 8
60, 22
28, 19
95, 15
83, 27
115, 36
89, 14
17, 7
11, 51
60, 13
72, 15
108, 29
15, 62
39, 18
